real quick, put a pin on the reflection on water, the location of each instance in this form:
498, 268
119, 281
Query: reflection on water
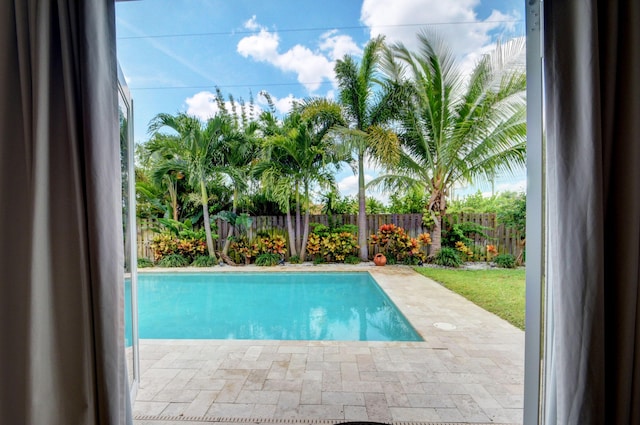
292, 306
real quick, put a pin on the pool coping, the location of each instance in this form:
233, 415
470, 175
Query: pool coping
469, 368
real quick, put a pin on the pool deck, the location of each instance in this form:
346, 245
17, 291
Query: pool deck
469, 369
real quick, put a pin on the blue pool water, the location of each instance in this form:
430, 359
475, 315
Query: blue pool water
281, 306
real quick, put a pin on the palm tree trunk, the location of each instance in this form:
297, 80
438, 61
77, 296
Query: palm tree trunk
436, 234
173, 194
227, 242
298, 223
437, 208
305, 238
207, 223
292, 241
362, 211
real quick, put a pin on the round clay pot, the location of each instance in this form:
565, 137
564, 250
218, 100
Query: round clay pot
380, 260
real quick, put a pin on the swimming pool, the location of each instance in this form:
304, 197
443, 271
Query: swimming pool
279, 306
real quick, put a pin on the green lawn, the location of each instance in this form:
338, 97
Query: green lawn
500, 291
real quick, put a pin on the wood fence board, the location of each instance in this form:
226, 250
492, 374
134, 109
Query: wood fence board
506, 240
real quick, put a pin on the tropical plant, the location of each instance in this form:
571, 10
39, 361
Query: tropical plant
267, 259
203, 261
297, 155
369, 107
505, 261
452, 128
448, 257
144, 263
197, 146
173, 260
397, 245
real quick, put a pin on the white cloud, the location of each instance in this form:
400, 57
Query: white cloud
203, 105
311, 67
468, 38
338, 45
252, 24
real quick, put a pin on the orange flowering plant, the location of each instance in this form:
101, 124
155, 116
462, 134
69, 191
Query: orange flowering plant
396, 244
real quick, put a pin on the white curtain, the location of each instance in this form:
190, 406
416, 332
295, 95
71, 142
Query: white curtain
592, 107
61, 250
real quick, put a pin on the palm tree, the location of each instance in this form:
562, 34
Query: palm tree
370, 105
237, 155
454, 129
165, 168
297, 155
197, 148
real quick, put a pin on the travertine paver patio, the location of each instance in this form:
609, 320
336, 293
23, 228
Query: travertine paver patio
469, 369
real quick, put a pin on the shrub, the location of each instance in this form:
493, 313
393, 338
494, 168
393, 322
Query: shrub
506, 261
295, 259
166, 244
267, 259
173, 260
398, 246
352, 259
243, 250
144, 262
448, 257
462, 232
319, 260
204, 261
332, 246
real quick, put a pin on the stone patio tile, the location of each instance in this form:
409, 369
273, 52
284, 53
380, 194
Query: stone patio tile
283, 384
231, 374
362, 386
229, 392
355, 413
201, 404
230, 410
151, 408
258, 397
176, 395
320, 411
209, 384
288, 403
469, 408
448, 414
175, 409
342, 398
423, 400
377, 409
311, 392
408, 414
255, 380
264, 411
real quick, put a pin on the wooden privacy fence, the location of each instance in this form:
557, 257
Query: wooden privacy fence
506, 240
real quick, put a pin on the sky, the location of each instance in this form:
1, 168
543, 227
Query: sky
174, 53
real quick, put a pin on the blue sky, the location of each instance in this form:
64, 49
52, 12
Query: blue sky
175, 52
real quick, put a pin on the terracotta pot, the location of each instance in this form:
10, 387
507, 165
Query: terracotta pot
380, 260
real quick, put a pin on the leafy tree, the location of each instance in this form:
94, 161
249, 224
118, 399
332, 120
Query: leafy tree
369, 107
296, 156
453, 128
412, 201
196, 145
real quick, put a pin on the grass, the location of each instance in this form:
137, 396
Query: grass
500, 291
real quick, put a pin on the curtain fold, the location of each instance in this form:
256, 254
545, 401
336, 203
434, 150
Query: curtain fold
592, 109
61, 249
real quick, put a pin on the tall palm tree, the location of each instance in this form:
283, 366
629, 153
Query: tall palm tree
298, 155
455, 129
237, 155
369, 105
165, 168
199, 143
